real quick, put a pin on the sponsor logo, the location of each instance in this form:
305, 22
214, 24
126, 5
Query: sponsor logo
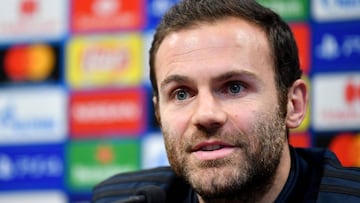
302, 36
336, 47
30, 63
330, 10
346, 146
28, 7
100, 15
41, 117
24, 167
352, 92
331, 49
288, 9
156, 10
105, 61
120, 113
153, 151
300, 140
103, 160
43, 196
328, 48
30, 19
111, 59
336, 101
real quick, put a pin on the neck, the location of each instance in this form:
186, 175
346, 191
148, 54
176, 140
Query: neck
281, 177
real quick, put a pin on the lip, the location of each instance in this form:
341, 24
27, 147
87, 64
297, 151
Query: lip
221, 150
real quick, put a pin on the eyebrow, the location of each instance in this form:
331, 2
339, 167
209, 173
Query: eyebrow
237, 73
175, 78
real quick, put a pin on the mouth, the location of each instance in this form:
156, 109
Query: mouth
206, 151
211, 148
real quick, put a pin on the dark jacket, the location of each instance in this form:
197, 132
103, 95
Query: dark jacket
316, 175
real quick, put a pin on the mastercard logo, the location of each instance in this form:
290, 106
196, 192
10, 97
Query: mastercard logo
347, 148
29, 62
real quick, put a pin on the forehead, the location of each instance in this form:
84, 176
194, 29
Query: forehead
205, 42
233, 30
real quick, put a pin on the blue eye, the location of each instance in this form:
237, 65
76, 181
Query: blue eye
235, 88
181, 95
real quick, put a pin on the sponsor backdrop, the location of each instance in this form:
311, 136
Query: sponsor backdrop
75, 100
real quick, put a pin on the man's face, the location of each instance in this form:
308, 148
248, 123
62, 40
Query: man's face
218, 106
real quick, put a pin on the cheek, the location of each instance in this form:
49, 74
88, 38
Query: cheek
173, 122
243, 119
173, 132
246, 122
173, 137
174, 127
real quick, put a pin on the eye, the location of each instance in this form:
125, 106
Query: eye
235, 87
181, 94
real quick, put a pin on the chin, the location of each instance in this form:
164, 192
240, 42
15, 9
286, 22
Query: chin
218, 181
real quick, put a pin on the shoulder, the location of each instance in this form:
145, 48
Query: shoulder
338, 183
123, 185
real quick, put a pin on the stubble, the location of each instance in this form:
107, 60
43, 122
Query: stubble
245, 175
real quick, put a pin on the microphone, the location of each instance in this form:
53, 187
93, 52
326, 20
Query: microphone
146, 194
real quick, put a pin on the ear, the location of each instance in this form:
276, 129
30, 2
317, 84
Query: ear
155, 100
297, 104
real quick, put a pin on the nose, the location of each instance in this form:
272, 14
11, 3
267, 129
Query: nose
208, 114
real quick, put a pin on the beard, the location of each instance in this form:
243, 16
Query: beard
246, 174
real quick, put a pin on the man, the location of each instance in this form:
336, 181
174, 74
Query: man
227, 88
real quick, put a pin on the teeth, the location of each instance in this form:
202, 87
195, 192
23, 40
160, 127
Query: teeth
211, 148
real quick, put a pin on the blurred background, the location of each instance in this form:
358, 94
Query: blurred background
75, 100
